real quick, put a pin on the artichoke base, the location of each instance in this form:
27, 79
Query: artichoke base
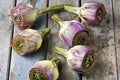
81, 38
37, 74
88, 61
19, 44
100, 15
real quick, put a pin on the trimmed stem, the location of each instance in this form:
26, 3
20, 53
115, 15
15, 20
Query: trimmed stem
45, 32
56, 18
55, 60
71, 9
60, 51
50, 9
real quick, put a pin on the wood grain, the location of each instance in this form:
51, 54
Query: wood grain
65, 72
20, 65
103, 43
5, 36
105, 40
116, 5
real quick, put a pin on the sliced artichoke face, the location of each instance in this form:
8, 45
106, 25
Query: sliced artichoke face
88, 61
37, 74
100, 14
81, 38
19, 44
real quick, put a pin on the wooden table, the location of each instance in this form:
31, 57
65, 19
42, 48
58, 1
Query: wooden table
106, 41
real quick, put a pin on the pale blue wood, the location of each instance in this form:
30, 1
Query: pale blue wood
21, 65
5, 35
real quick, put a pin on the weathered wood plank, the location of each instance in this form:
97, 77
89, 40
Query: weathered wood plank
65, 72
103, 42
116, 7
20, 65
5, 36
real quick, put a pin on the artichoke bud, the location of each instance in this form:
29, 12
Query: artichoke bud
92, 13
72, 32
80, 58
45, 70
28, 41
24, 15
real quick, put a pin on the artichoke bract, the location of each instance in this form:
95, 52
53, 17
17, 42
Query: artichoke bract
72, 32
24, 15
28, 41
45, 70
92, 13
80, 58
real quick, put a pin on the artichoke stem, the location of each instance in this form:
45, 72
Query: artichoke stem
60, 51
57, 19
45, 32
50, 9
71, 9
56, 60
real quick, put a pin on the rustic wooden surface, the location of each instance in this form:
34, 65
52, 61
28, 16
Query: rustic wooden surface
116, 19
5, 36
54, 39
104, 44
21, 65
105, 40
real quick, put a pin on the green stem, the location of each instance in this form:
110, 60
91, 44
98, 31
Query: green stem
56, 61
50, 9
60, 51
56, 18
45, 32
71, 9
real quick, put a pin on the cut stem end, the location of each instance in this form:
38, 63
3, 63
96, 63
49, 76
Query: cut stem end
19, 44
45, 32
56, 61
81, 38
37, 74
89, 61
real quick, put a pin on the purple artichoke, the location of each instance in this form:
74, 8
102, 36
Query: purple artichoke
28, 41
24, 15
80, 58
72, 32
92, 13
45, 70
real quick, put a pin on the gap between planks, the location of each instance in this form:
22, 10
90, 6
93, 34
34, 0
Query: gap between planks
10, 49
112, 1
